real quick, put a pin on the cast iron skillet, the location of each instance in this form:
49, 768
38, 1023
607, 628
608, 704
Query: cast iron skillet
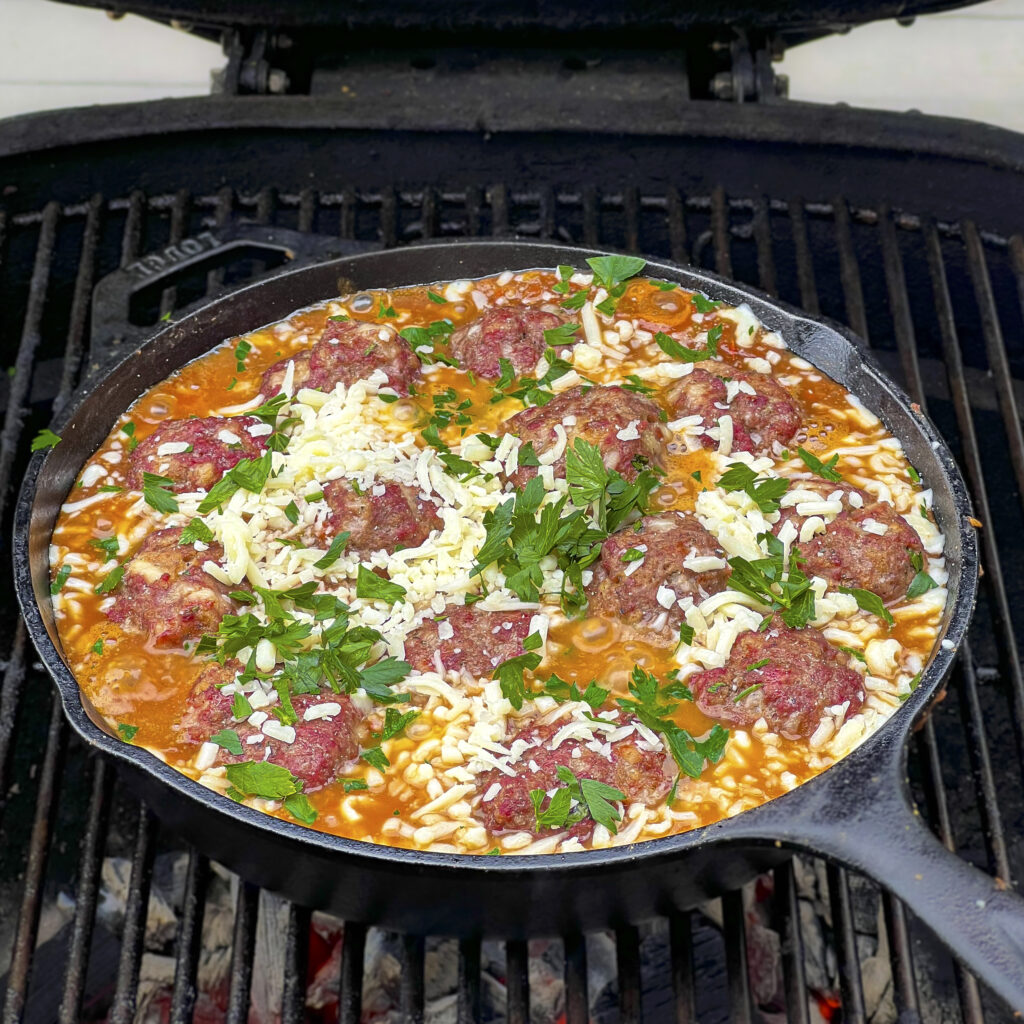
857, 812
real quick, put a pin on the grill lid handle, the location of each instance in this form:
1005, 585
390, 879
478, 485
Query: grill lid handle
126, 304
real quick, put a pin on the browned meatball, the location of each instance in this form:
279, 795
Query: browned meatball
350, 350
319, 751
665, 541
273, 377
515, 333
786, 676
480, 640
165, 592
397, 518
195, 454
848, 555
759, 420
638, 773
597, 415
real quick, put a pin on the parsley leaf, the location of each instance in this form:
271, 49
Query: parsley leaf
228, 739
434, 297
240, 707
703, 305
196, 530
157, 494
376, 758
869, 602
108, 545
242, 349
765, 492
826, 470
510, 674
561, 336
370, 586
636, 385
922, 582
354, 785
127, 732
612, 271
596, 795
425, 342
333, 553
60, 579
97, 648
110, 581
299, 807
686, 634
262, 779
575, 301
395, 722
247, 475
680, 353
45, 439
291, 511
766, 580
562, 691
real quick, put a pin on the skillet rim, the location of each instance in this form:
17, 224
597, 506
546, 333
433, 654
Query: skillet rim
886, 744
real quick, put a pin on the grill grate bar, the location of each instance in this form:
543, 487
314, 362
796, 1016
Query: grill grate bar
627, 958
576, 1004
734, 932
32, 885
10, 700
133, 936
517, 981
971, 460
899, 304
904, 981
846, 946
849, 270
296, 963
720, 231
350, 987
762, 228
468, 1001
243, 946
412, 995
25, 359
787, 924
804, 259
179, 226
189, 940
681, 945
80, 302
86, 892
996, 349
131, 238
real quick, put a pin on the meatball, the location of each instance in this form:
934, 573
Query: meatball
622, 425
786, 676
468, 640
633, 769
273, 377
319, 750
195, 454
515, 333
667, 542
763, 411
350, 350
396, 518
850, 553
165, 592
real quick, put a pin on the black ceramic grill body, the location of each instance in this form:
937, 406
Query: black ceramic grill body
857, 811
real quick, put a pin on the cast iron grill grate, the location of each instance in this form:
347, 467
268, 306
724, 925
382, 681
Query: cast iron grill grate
942, 305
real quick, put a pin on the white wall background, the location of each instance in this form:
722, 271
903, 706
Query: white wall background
967, 63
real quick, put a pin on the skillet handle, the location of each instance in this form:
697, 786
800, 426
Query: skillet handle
115, 329
876, 832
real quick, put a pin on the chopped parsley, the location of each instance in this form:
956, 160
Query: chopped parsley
564, 273
354, 785
914, 684
395, 722
826, 470
575, 800
746, 693
636, 385
127, 732
108, 545
632, 555
562, 691
561, 336
196, 530
611, 272
110, 581
854, 653
686, 634
372, 587
922, 582
129, 431
228, 739
510, 675
247, 475
386, 310
97, 648
291, 511
428, 342
681, 354
434, 297
333, 553
376, 758
240, 706
242, 349
261, 778
765, 492
299, 807
45, 439
913, 474
702, 304
60, 579
156, 492
766, 580
575, 301
869, 602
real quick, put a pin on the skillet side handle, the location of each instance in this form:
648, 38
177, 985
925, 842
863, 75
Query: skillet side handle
975, 916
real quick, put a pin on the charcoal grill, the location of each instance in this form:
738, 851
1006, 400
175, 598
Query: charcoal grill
906, 228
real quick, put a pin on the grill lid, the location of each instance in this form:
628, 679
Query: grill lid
567, 16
